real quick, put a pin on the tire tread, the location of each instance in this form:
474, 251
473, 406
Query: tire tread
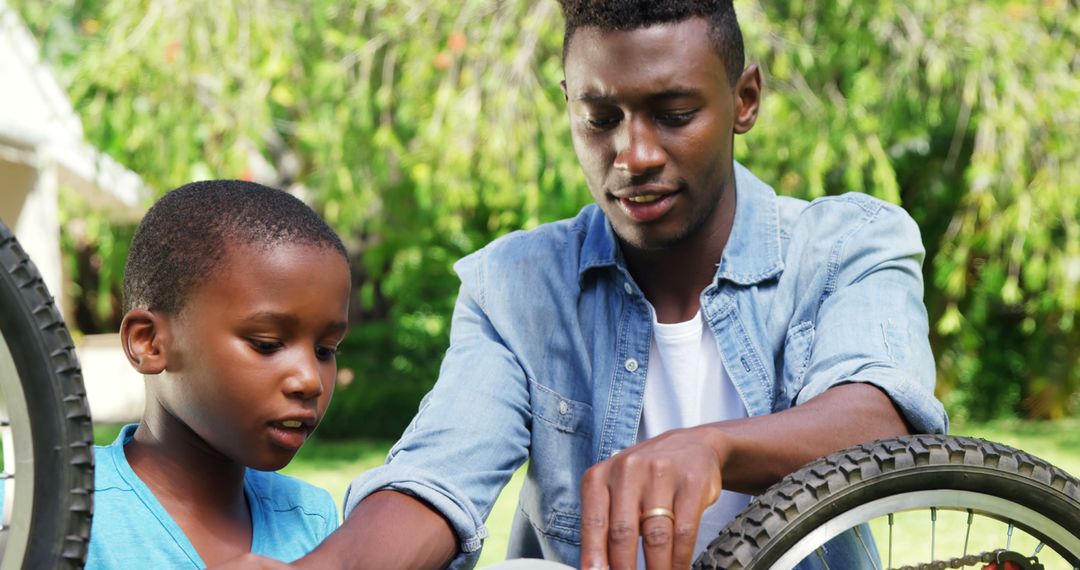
76, 433
770, 515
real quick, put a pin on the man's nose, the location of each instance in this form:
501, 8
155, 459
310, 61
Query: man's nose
638, 148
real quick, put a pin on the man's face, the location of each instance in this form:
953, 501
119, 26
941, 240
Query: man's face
653, 116
252, 355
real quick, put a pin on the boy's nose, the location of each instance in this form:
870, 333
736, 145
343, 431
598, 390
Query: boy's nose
304, 381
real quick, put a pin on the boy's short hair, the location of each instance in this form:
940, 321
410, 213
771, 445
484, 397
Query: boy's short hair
625, 15
183, 237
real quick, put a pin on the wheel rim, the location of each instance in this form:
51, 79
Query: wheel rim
18, 473
989, 506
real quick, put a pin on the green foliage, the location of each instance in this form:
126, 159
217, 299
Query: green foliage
968, 114
422, 130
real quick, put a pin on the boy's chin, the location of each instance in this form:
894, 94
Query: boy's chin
272, 463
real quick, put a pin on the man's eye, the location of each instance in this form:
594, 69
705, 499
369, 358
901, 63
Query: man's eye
265, 346
600, 122
676, 119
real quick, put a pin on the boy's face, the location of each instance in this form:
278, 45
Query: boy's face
653, 115
251, 356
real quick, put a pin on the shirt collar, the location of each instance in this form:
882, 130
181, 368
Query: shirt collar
752, 254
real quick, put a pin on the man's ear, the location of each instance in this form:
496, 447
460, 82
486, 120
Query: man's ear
747, 99
143, 334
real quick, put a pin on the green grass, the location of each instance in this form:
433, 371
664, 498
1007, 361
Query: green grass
333, 464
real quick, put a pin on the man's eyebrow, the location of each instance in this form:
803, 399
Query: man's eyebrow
590, 97
675, 93
671, 93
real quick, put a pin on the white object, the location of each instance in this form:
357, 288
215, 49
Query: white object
528, 564
687, 385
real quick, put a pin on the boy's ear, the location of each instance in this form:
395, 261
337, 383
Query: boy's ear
143, 334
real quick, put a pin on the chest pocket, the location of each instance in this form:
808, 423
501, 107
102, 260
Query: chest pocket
552, 410
561, 448
797, 350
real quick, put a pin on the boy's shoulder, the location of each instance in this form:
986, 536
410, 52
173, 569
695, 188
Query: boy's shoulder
293, 516
131, 528
111, 470
281, 493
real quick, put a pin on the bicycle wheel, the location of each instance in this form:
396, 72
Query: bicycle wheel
45, 425
967, 502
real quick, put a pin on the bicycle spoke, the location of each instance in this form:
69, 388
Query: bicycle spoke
1038, 549
967, 535
821, 555
933, 531
1008, 541
866, 549
890, 539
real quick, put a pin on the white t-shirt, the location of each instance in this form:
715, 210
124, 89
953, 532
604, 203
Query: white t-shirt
686, 386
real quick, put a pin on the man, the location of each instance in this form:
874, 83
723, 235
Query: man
688, 338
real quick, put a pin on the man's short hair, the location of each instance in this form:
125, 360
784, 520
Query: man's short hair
625, 15
182, 240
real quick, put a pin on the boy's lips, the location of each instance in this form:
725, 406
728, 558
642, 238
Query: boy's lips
290, 432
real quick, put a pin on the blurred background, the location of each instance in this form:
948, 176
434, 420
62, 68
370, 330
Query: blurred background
421, 130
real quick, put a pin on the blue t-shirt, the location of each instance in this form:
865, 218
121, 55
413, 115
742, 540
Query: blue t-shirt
131, 529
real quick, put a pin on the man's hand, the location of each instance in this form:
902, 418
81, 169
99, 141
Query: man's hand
684, 471
657, 490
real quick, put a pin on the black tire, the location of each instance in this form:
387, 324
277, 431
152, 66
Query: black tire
47, 428
839, 483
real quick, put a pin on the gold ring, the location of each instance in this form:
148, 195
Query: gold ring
658, 512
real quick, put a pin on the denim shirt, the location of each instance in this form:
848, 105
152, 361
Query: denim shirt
549, 350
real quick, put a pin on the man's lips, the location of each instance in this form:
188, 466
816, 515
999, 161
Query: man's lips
644, 193
646, 203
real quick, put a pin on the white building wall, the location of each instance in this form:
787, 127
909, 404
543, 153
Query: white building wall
42, 149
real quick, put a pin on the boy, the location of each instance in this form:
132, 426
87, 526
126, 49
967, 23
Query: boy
236, 298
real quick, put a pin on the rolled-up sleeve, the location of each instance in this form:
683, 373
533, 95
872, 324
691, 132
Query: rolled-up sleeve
871, 324
472, 430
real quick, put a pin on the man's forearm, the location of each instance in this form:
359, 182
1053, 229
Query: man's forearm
386, 530
757, 452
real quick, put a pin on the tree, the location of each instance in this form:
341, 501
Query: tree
422, 130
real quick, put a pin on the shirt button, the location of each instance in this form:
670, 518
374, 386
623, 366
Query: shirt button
563, 407
630, 365
626, 287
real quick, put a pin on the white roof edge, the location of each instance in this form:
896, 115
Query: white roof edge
65, 143
53, 94
19, 138
99, 170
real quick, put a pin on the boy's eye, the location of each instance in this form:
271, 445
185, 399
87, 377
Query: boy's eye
325, 352
265, 346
